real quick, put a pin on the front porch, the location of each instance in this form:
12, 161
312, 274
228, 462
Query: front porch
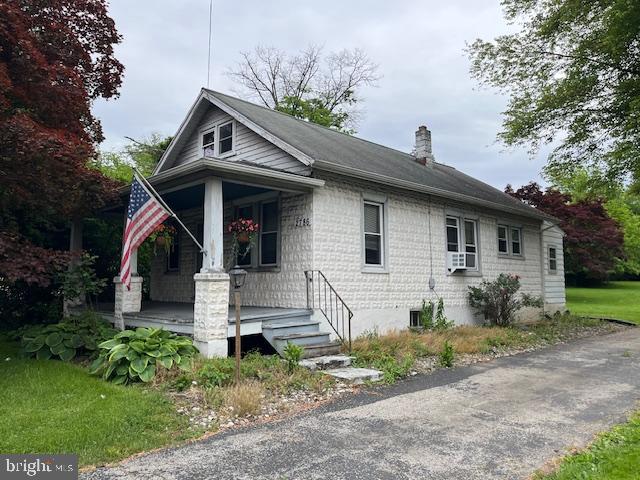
178, 317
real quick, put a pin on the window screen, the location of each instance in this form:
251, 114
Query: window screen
372, 233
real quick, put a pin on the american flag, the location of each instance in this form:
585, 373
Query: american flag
143, 215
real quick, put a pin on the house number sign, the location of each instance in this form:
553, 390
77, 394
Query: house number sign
303, 222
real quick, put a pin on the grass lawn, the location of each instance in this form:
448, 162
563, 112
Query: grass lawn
619, 300
615, 455
55, 407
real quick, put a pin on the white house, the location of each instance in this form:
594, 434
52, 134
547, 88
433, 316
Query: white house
353, 234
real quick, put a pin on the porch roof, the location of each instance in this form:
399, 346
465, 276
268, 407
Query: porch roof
244, 173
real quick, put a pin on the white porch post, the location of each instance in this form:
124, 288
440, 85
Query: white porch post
211, 306
75, 247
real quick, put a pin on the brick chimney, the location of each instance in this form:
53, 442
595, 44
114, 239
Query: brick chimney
422, 151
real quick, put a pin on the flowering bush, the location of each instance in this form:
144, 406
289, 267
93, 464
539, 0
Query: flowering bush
497, 300
163, 235
244, 231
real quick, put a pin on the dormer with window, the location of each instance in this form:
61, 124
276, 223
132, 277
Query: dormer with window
218, 140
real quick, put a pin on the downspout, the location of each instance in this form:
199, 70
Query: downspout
543, 264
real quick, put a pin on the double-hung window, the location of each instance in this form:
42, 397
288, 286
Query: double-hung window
503, 239
265, 252
374, 234
218, 140
209, 143
462, 237
553, 260
516, 241
226, 138
269, 233
509, 240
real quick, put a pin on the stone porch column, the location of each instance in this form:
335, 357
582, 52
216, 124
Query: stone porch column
211, 306
127, 300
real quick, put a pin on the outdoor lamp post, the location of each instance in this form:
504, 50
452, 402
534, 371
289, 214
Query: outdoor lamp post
237, 276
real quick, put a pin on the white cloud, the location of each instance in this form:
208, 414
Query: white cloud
419, 46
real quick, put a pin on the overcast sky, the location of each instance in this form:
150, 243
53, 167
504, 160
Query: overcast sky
419, 46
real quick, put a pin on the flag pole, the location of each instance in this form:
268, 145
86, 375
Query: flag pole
146, 184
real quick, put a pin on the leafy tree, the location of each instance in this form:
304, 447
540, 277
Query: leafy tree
573, 75
622, 204
323, 90
56, 58
143, 154
593, 242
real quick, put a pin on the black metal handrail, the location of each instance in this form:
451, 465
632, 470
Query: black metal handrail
322, 296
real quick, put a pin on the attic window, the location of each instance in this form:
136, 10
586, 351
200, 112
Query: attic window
208, 143
226, 138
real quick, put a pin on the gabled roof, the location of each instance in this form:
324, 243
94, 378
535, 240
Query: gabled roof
327, 149
347, 154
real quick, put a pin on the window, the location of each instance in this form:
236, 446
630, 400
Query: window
510, 240
470, 245
553, 261
226, 138
453, 235
503, 241
208, 143
373, 234
265, 252
414, 319
516, 241
463, 239
269, 233
247, 213
173, 258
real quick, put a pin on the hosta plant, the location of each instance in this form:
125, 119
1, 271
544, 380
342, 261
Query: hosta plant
75, 335
135, 355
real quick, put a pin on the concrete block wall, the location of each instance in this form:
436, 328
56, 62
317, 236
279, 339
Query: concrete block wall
178, 286
383, 300
283, 286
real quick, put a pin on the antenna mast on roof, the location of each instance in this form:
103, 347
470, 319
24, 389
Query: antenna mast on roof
209, 52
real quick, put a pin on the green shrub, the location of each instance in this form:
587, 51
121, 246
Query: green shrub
134, 355
432, 317
292, 355
441, 322
497, 301
216, 372
75, 335
426, 315
446, 355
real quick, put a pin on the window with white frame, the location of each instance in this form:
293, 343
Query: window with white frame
225, 133
553, 261
463, 239
265, 253
209, 143
503, 239
510, 240
269, 226
516, 241
470, 244
373, 234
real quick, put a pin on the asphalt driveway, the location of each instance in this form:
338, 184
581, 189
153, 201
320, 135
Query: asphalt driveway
499, 420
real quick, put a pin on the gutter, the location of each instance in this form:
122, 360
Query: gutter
229, 171
417, 187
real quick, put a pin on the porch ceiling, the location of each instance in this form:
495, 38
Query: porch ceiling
193, 196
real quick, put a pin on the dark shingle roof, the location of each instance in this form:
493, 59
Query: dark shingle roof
326, 145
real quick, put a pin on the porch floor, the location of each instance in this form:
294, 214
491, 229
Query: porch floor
178, 317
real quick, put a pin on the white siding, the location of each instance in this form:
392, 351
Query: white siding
383, 300
554, 289
249, 146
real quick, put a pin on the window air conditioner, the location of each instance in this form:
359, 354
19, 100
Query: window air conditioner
456, 261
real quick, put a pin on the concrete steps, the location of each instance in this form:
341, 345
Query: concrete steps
339, 366
300, 330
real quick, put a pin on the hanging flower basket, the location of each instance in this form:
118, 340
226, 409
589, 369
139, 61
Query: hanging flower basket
244, 231
163, 236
